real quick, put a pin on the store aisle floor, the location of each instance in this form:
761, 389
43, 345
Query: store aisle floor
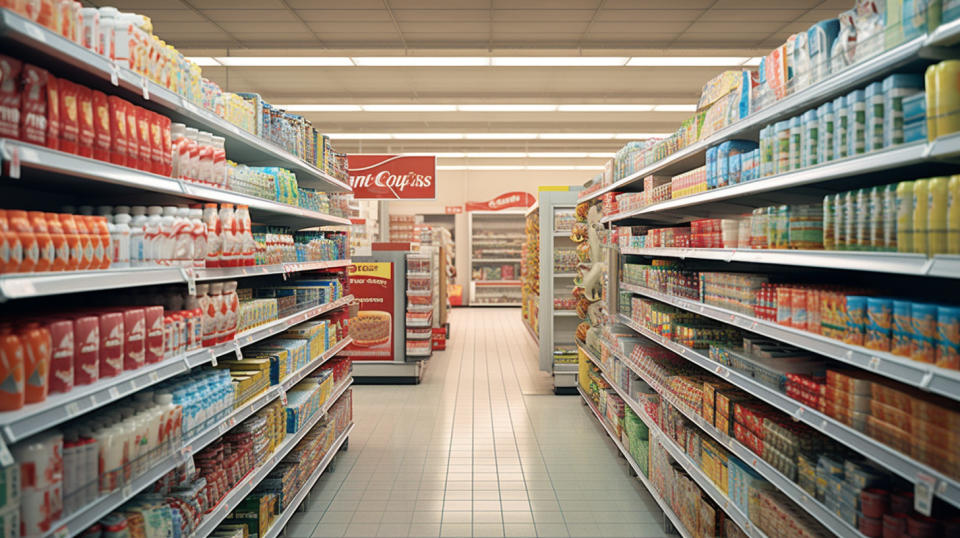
481, 447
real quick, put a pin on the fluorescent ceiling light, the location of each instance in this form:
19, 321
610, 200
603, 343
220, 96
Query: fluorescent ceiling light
204, 61
409, 108
500, 136
507, 108
575, 136
685, 61
442, 155
493, 155
557, 61
359, 136
675, 108
755, 61
427, 136
421, 61
640, 136
285, 61
321, 108
601, 155
605, 108
588, 167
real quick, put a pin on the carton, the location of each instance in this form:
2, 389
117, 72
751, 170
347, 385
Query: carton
153, 324
86, 355
134, 338
111, 343
61, 356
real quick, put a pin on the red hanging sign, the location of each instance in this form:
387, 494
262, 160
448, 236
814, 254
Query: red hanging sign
453, 209
504, 201
393, 177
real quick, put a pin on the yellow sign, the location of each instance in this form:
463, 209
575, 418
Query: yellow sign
374, 269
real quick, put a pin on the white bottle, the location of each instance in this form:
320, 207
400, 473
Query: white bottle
205, 158
220, 319
208, 320
152, 235
167, 242
199, 233
211, 220
219, 169
229, 241
137, 222
231, 305
245, 243
192, 160
106, 212
122, 240
178, 137
108, 16
183, 238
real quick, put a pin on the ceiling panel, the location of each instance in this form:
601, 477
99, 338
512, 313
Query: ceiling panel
546, 6
433, 4
766, 4
335, 4
752, 15
441, 15
444, 27
334, 27
161, 16
674, 4
252, 30
637, 28
236, 4
251, 15
344, 15
645, 15
539, 15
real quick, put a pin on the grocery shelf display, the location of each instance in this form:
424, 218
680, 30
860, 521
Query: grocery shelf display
496, 244
175, 288
530, 274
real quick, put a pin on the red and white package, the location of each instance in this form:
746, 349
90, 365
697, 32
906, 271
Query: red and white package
61, 357
135, 332
153, 321
10, 97
118, 130
156, 143
86, 349
85, 121
166, 147
111, 343
33, 105
53, 112
69, 123
133, 139
143, 132
101, 126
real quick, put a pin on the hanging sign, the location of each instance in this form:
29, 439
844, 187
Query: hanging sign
453, 209
506, 200
393, 177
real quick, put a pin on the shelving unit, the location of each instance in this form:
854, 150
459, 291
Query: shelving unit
530, 274
419, 334
37, 177
558, 262
496, 241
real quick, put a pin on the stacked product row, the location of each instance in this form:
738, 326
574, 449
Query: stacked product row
421, 275
530, 273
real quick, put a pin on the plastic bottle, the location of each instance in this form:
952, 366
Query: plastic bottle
811, 139
207, 316
137, 222
953, 215
931, 79
101, 236
106, 211
61, 259
825, 133
74, 241
229, 246
193, 157
183, 238
38, 346
856, 122
167, 243
7, 241
219, 168
921, 211
219, 315
204, 158
231, 304
895, 88
828, 210
47, 250
948, 100
861, 220
179, 146
152, 237
211, 219
245, 241
194, 322
121, 240
841, 128
937, 215
20, 224
796, 143
198, 232
874, 117
782, 147
12, 357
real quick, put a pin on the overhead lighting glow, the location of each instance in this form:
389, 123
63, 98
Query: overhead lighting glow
675, 108
409, 108
495, 107
605, 108
204, 61
507, 108
639, 136
321, 108
556, 154
284, 61
575, 136
753, 62
500, 136
685, 61
601, 155
557, 61
427, 136
421, 61
516, 167
360, 136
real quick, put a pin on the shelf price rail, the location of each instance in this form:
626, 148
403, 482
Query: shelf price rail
108, 75
80, 520
918, 374
791, 489
59, 408
914, 472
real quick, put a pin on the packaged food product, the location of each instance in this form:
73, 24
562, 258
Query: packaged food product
53, 112
69, 117
85, 122
119, 145
11, 370
101, 122
948, 337
924, 322
33, 105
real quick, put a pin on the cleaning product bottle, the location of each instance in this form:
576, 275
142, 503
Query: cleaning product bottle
937, 215
12, 358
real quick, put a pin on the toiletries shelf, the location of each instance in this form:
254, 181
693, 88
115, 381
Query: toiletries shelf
86, 516
789, 488
277, 527
677, 453
667, 511
74, 61
62, 171
914, 472
230, 501
21, 286
59, 408
943, 266
913, 154
857, 75
919, 374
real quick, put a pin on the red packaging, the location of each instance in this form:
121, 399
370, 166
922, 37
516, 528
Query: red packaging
86, 350
118, 130
61, 359
33, 105
9, 97
53, 112
135, 331
133, 139
156, 143
153, 322
166, 148
69, 125
85, 120
101, 126
111, 343
143, 139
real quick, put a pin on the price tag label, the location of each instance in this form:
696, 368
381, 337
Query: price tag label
127, 492
72, 409
145, 87
114, 73
15, 162
114, 393
213, 360
283, 396
36, 32
154, 377
190, 278
6, 459
874, 363
923, 491
237, 351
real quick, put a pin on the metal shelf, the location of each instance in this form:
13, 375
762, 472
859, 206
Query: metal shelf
913, 471
565, 313
530, 331
80, 520
277, 528
475, 303
245, 486
791, 489
564, 275
21, 286
836, 84
918, 374
944, 266
496, 260
71, 60
58, 408
896, 157
409, 354
667, 511
38, 162
498, 283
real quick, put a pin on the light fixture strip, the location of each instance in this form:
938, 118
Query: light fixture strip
505, 107
476, 61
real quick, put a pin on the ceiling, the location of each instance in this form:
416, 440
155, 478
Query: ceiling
478, 28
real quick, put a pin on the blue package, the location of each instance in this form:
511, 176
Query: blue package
915, 18
820, 37
915, 107
724, 152
914, 131
734, 162
711, 166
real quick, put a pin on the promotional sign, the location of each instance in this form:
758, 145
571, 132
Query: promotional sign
372, 330
504, 201
453, 209
393, 177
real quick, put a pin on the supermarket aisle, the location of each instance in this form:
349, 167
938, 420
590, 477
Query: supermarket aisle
481, 448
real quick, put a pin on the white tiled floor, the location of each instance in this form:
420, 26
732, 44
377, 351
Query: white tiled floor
481, 447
